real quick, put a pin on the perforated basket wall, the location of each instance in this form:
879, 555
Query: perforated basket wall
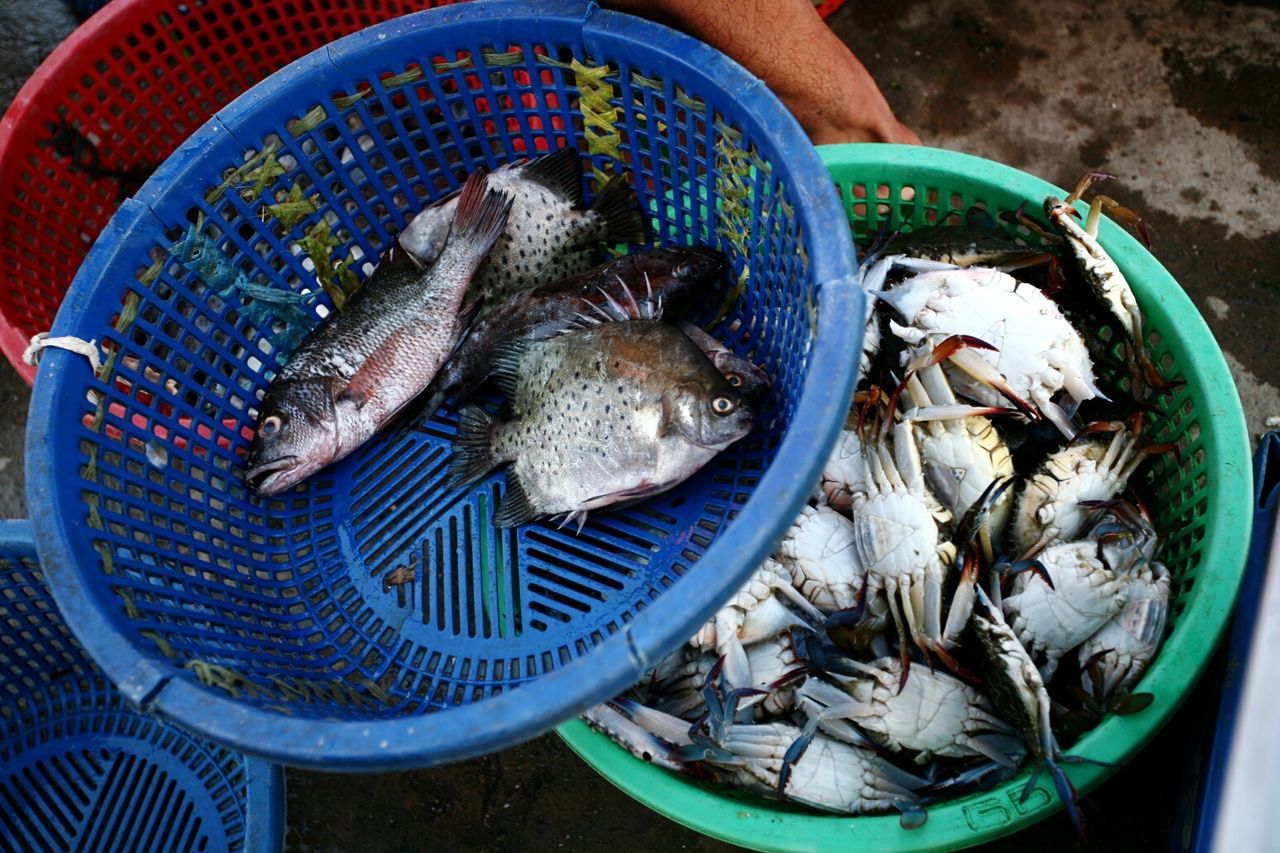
82, 769
111, 103
281, 625
1201, 504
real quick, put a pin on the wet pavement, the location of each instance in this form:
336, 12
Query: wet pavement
1180, 100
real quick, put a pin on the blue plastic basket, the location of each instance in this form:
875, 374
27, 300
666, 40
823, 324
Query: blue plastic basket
267, 625
81, 769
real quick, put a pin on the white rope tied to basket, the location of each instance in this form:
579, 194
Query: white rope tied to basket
41, 341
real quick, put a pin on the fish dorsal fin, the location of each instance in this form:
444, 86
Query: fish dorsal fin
624, 220
560, 172
394, 260
397, 258
515, 508
504, 368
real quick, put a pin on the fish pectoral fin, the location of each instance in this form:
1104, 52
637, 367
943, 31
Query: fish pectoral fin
668, 417
515, 508
504, 364
472, 448
356, 392
618, 206
641, 490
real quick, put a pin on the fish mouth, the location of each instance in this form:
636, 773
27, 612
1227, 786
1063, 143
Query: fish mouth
264, 478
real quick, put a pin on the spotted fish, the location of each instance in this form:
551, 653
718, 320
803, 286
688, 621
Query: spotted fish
601, 416
624, 288
359, 367
549, 234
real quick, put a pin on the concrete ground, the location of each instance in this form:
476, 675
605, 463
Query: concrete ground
1180, 99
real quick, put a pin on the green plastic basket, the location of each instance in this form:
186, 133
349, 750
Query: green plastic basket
1201, 502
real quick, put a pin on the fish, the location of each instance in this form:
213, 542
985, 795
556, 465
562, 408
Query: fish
601, 416
750, 380
661, 279
549, 235
359, 367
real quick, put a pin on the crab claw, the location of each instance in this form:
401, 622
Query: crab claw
1005, 566
1086, 181
971, 524
982, 370
796, 751
1099, 426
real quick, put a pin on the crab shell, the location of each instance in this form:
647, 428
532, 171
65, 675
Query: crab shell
830, 775
1049, 508
1036, 349
818, 551
934, 714
844, 476
1122, 648
1086, 594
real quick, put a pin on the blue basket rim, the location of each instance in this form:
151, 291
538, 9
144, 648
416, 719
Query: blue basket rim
468, 730
264, 821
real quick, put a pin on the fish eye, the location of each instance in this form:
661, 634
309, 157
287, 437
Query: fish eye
684, 270
270, 426
735, 379
723, 405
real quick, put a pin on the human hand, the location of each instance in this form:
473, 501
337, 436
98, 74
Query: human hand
788, 45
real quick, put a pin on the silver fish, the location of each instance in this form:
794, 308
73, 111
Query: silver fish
602, 416
549, 236
359, 367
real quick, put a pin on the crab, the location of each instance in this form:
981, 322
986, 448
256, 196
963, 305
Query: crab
819, 553
899, 541
1035, 352
1085, 585
1054, 504
935, 714
755, 613
1101, 273
961, 451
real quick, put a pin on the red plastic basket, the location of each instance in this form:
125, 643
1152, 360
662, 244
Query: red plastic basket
114, 100
826, 7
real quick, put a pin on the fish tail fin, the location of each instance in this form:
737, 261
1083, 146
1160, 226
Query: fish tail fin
480, 217
515, 508
617, 204
560, 172
472, 447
